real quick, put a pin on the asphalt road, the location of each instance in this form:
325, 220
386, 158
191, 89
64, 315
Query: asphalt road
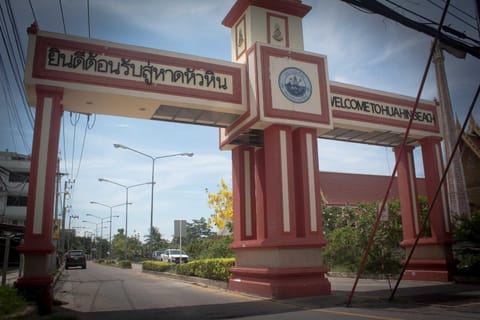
103, 292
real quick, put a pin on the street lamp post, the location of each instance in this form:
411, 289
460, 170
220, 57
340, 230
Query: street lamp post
96, 235
126, 205
184, 154
111, 208
101, 221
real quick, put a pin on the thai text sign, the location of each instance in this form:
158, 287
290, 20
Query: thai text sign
87, 62
69, 60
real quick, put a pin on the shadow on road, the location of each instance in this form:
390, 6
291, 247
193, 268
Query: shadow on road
207, 312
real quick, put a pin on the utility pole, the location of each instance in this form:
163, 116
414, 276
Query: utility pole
64, 213
457, 190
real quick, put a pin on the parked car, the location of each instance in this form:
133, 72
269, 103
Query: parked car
175, 256
75, 258
157, 255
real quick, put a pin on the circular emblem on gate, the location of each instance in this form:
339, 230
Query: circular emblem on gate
295, 85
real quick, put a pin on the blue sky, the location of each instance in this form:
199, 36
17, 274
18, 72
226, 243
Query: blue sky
362, 49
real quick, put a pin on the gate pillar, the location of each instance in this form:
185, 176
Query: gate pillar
433, 258
37, 245
282, 259
407, 187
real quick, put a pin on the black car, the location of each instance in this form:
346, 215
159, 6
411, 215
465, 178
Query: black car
75, 258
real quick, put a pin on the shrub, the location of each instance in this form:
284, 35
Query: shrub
127, 264
158, 266
467, 234
210, 248
215, 269
348, 230
10, 301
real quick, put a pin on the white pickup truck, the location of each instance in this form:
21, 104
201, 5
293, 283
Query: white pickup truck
174, 256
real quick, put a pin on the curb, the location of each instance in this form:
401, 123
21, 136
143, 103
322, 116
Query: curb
190, 279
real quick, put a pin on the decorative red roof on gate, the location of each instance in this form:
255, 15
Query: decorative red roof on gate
350, 188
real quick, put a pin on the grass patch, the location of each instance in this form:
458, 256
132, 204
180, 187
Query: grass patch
10, 301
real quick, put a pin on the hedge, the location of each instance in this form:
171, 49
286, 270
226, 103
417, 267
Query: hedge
215, 269
159, 266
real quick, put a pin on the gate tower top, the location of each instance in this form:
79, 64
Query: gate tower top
275, 22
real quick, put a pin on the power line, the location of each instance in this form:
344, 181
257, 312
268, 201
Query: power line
454, 15
33, 11
412, 12
401, 150
88, 13
16, 34
381, 9
63, 17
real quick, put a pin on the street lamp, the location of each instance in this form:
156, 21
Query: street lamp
126, 205
96, 227
184, 154
111, 207
101, 222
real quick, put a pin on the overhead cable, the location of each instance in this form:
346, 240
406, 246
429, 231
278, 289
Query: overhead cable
437, 192
63, 17
33, 12
397, 162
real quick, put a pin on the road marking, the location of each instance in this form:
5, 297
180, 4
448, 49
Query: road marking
356, 315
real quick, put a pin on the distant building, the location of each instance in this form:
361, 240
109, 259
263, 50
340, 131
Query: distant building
348, 189
14, 181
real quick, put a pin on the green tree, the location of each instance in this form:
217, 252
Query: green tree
197, 230
157, 242
118, 244
348, 236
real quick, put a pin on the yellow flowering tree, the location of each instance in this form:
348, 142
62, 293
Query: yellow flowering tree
221, 203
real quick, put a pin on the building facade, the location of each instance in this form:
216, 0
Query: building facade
14, 181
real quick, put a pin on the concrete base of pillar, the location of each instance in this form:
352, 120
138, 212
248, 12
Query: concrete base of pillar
430, 270
280, 272
38, 290
431, 261
280, 283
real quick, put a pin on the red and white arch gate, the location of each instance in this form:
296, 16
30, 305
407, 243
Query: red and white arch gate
270, 104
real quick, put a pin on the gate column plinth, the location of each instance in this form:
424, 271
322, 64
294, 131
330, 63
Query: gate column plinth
37, 246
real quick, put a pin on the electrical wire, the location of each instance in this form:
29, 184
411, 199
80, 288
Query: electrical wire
12, 61
401, 150
437, 192
16, 34
87, 127
412, 12
63, 17
33, 12
14, 116
461, 10
88, 14
454, 15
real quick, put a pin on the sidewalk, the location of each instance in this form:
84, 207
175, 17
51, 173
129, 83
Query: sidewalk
458, 298
12, 276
